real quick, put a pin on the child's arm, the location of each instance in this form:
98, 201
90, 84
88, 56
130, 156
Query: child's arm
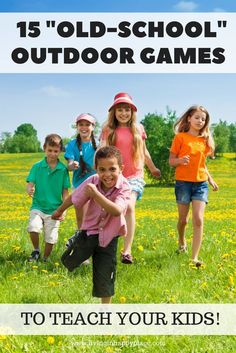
58, 214
212, 182
109, 206
149, 163
174, 161
72, 165
30, 189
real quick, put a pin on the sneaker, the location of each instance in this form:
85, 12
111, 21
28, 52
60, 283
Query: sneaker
86, 262
197, 263
182, 249
126, 259
35, 255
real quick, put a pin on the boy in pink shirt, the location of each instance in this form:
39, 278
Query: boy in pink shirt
108, 195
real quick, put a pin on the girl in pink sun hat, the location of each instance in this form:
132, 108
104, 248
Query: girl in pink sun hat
79, 154
122, 131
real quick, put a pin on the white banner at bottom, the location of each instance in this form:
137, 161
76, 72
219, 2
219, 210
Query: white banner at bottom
117, 319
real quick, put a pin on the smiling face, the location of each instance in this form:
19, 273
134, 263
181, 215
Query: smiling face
85, 129
123, 114
197, 121
108, 171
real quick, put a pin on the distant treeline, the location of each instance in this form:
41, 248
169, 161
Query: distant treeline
159, 130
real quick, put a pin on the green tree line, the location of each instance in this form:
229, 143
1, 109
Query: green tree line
159, 129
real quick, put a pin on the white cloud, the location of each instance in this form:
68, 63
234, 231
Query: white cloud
218, 9
186, 6
53, 91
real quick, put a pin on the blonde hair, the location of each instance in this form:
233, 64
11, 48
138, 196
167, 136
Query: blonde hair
183, 125
111, 125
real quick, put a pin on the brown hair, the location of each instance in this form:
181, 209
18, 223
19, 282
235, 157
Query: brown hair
83, 165
53, 140
108, 152
183, 125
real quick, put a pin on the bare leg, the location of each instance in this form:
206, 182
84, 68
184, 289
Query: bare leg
106, 300
198, 208
48, 249
183, 211
130, 221
35, 239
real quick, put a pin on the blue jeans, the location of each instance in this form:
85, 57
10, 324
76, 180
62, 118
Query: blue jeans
186, 191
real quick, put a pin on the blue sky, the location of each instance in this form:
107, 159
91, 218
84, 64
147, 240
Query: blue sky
52, 101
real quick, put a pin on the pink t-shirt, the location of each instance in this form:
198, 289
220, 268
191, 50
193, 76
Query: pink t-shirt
124, 142
97, 220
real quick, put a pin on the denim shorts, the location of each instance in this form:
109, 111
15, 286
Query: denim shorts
186, 191
136, 185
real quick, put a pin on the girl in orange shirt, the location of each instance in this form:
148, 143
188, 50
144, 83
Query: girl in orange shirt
191, 145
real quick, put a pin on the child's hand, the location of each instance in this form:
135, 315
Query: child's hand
156, 172
30, 188
90, 190
184, 160
213, 184
58, 216
73, 165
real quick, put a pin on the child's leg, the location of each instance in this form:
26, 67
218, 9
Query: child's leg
130, 221
106, 300
47, 249
35, 240
183, 210
198, 208
104, 271
51, 228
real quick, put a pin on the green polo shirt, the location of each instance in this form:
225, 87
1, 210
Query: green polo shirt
49, 185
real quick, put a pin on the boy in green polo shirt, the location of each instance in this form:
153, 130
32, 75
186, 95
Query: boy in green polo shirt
47, 183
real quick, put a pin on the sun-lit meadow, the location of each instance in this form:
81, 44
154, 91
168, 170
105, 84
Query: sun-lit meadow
158, 275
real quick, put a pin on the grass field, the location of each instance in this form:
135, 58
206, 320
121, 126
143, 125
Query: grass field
158, 275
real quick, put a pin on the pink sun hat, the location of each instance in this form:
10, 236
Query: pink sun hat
86, 116
123, 98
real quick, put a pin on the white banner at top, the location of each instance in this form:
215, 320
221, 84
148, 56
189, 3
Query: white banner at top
117, 42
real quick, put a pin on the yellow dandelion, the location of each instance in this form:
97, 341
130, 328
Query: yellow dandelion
140, 248
122, 300
3, 337
34, 267
109, 350
224, 256
44, 271
204, 285
56, 264
231, 280
51, 340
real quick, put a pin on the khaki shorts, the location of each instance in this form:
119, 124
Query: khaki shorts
41, 221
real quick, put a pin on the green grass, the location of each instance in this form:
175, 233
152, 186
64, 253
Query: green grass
158, 275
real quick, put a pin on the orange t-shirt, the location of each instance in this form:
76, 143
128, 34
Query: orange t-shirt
197, 148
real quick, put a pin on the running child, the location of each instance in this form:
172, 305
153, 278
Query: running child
191, 145
122, 131
47, 184
107, 194
80, 154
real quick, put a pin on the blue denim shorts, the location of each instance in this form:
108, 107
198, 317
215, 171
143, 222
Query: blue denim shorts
137, 185
186, 191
